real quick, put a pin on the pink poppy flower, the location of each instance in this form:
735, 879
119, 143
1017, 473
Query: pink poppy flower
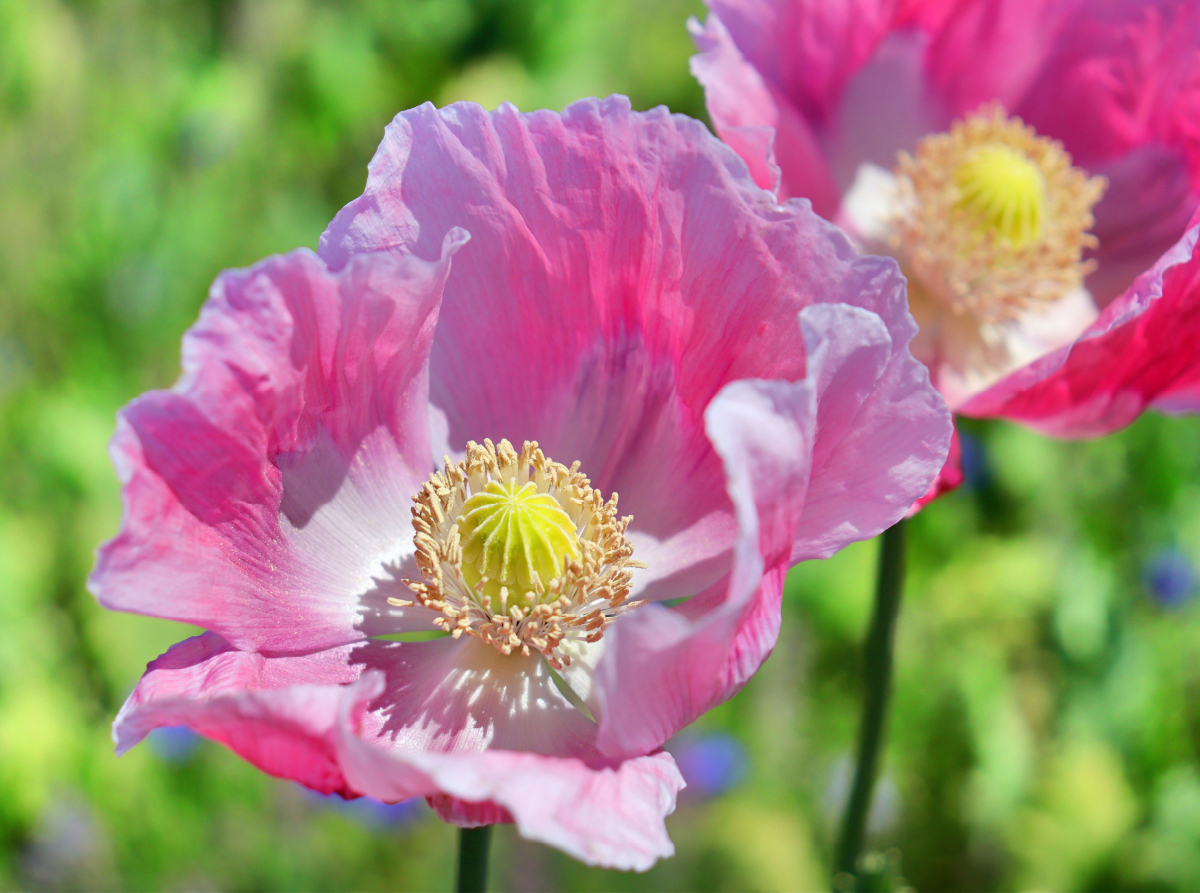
623, 294
1044, 205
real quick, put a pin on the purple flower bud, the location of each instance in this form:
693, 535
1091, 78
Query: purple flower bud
175, 744
1170, 577
977, 470
711, 764
371, 812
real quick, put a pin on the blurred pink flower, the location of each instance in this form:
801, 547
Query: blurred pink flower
628, 298
820, 95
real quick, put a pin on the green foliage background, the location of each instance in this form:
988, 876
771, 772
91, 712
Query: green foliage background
1047, 720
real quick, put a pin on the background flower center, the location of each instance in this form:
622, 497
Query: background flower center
992, 219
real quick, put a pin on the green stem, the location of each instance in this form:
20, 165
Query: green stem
473, 846
877, 668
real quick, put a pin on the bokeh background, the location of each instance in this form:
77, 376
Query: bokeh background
1046, 729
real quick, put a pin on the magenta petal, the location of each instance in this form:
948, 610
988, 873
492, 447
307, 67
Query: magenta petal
278, 713
1141, 349
1148, 203
808, 49
740, 104
1122, 91
759, 121
990, 50
1117, 76
468, 813
949, 478
268, 492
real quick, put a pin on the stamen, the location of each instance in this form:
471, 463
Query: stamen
520, 551
993, 219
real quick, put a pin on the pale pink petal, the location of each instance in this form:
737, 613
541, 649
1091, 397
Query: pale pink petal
683, 275
687, 562
445, 695
278, 713
267, 495
603, 813
884, 108
662, 668
785, 448
836, 83
882, 431
463, 695
1141, 349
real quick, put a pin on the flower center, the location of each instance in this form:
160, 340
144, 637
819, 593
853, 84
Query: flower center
992, 218
520, 551
516, 537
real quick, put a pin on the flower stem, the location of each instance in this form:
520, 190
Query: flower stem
473, 844
877, 667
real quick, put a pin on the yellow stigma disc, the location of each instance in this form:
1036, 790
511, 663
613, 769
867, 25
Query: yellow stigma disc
514, 534
1005, 191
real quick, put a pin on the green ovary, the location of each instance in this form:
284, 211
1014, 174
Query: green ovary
1004, 191
512, 533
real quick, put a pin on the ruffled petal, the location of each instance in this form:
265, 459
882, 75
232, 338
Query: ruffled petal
278, 713
396, 720
810, 466
759, 122
838, 84
741, 106
883, 433
488, 737
603, 813
1141, 349
664, 667
267, 495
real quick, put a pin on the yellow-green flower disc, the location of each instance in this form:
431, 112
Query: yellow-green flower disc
1004, 191
515, 535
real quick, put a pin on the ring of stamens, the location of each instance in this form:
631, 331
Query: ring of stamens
994, 249
589, 552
